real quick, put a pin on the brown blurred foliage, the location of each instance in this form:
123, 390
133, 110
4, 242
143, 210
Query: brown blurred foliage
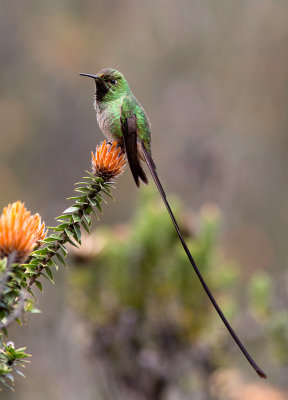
230, 385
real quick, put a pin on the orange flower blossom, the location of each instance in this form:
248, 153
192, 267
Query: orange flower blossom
19, 231
109, 161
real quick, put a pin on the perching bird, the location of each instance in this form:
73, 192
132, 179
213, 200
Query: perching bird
122, 118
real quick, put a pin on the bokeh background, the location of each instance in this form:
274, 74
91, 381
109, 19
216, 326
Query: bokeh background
213, 78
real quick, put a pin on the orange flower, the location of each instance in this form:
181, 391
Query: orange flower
109, 161
19, 231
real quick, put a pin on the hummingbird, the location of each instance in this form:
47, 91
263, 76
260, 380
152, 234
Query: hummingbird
121, 117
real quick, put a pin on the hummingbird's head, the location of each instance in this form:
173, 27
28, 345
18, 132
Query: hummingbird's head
110, 84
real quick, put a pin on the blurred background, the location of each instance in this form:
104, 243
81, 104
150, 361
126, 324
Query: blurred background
128, 320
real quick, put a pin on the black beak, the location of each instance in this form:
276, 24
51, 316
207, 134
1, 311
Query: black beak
90, 76
101, 87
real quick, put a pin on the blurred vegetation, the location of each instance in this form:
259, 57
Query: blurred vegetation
144, 264
150, 321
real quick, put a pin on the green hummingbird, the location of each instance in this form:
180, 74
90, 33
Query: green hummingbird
122, 118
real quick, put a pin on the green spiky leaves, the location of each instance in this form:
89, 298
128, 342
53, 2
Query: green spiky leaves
19, 274
78, 216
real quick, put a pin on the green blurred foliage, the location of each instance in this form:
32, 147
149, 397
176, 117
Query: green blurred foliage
147, 270
266, 308
140, 282
137, 293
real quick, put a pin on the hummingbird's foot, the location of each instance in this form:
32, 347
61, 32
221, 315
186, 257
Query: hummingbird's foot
110, 144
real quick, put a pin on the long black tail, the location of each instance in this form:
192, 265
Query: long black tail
152, 169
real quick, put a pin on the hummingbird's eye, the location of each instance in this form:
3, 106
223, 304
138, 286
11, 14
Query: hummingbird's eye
113, 81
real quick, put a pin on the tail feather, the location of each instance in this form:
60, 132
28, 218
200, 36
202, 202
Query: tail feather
152, 169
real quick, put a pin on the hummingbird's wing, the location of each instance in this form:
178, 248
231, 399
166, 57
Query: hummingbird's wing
130, 138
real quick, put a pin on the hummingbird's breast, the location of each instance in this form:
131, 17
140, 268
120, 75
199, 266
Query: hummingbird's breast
109, 121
